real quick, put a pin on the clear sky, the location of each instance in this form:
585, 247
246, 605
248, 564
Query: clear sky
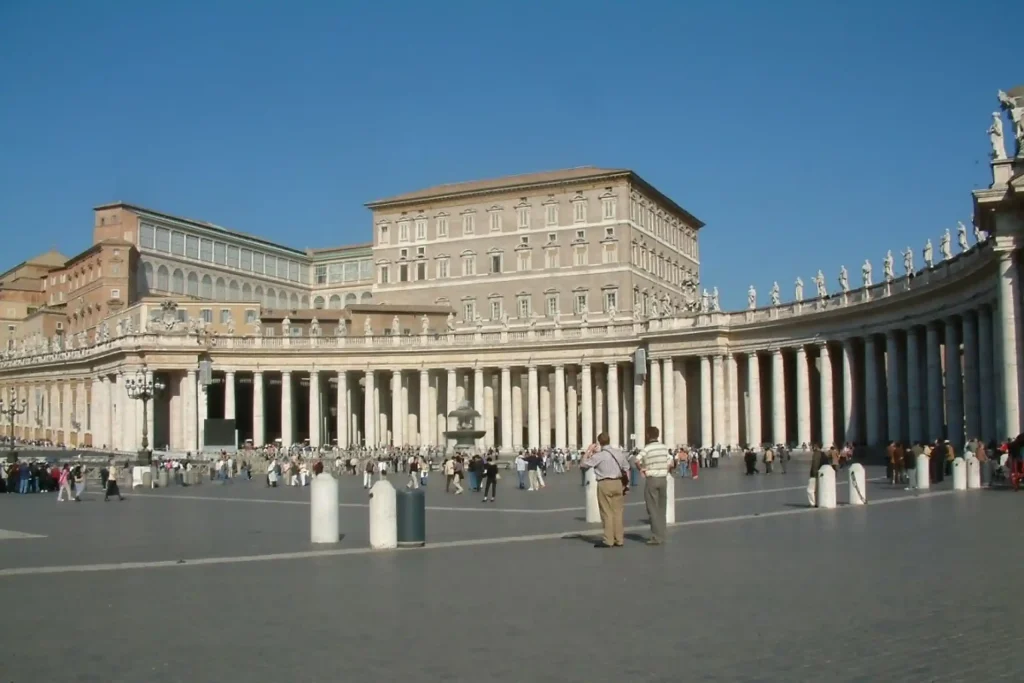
805, 134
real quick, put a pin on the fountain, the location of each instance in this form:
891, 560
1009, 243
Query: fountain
465, 432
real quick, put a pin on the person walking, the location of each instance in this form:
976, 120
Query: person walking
521, 471
817, 460
112, 489
490, 478
655, 462
612, 471
414, 473
64, 484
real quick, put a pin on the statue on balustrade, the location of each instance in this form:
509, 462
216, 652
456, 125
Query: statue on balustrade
844, 280
450, 321
819, 283
257, 326
396, 326
928, 260
424, 325
558, 317
865, 273
995, 137
119, 329
775, 295
585, 316
887, 267
69, 342
799, 294
961, 236
341, 329
314, 328
979, 235
1015, 107
714, 300
908, 261
286, 327
655, 311
612, 312
944, 247
751, 298
129, 326
367, 327
705, 302
104, 331
504, 320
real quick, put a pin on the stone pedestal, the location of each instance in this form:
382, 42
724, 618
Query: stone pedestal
858, 485
826, 496
383, 516
670, 499
923, 476
959, 474
973, 472
590, 491
323, 509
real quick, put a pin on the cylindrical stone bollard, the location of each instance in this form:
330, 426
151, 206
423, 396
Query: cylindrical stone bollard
137, 476
383, 516
323, 509
988, 469
162, 478
858, 485
959, 474
826, 487
411, 517
973, 472
923, 472
590, 492
670, 499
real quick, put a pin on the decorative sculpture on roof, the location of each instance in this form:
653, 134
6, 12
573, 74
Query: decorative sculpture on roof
257, 326
119, 329
961, 236
230, 322
705, 302
424, 324
819, 283
655, 311
450, 321
928, 260
799, 293
979, 235
286, 327
947, 253
865, 273
775, 295
751, 298
314, 327
367, 327
995, 137
844, 280
1014, 106
104, 331
504, 319
887, 267
168, 314
714, 300
585, 317
396, 326
129, 326
341, 329
612, 311
908, 262
69, 342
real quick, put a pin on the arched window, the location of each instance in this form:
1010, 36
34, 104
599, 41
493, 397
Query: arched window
193, 284
335, 301
257, 295
271, 301
147, 277
318, 302
305, 301
221, 290
163, 279
233, 291
365, 298
295, 300
246, 292
206, 291
282, 300
178, 281
351, 298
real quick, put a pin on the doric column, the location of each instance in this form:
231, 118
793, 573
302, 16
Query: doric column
719, 391
639, 410
954, 384
532, 407
734, 399
397, 433
259, 433
778, 398
656, 405
405, 412
892, 385
587, 406
706, 411
828, 436
451, 402
872, 397
613, 404
369, 410
571, 410
972, 414
191, 407
150, 413
803, 397
598, 386
1009, 349
753, 400
314, 408
933, 382
544, 378
81, 410
106, 438
438, 423
341, 400
69, 408
626, 404
517, 411
560, 428
229, 395
668, 399
986, 376
478, 400
680, 402
506, 407
423, 420
287, 423
915, 407
850, 430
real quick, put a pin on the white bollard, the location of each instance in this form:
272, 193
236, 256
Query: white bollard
959, 474
670, 499
383, 516
858, 485
137, 472
323, 510
826, 487
590, 489
922, 473
973, 472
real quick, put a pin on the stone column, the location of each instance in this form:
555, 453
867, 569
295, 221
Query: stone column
718, 390
626, 403
1009, 350
314, 408
342, 418
933, 382
517, 411
778, 398
587, 406
828, 436
872, 396
681, 402
560, 417
478, 401
599, 400
706, 434
369, 410
613, 404
572, 399
203, 403
191, 407
734, 399
397, 438
668, 398
986, 377
506, 408
424, 412
150, 414
259, 433
106, 438
544, 377
229, 395
438, 423
892, 385
954, 385
915, 408
639, 410
656, 404
81, 410
972, 412
406, 416
68, 405
532, 407
803, 397
287, 425
753, 400
850, 430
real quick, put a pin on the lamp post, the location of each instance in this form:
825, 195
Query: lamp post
140, 388
12, 408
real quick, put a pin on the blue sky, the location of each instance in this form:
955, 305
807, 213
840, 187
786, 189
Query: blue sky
805, 134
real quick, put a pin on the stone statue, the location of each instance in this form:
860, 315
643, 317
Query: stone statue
776, 297
865, 273
257, 325
844, 280
928, 261
367, 327
424, 325
612, 312
887, 267
129, 326
504, 319
995, 137
314, 327
450, 321
231, 325
714, 300
908, 261
799, 294
655, 311
585, 316
69, 342
104, 331
947, 253
119, 329
979, 235
558, 318
819, 283
705, 301
396, 326
1015, 107
341, 329
83, 339
961, 236
286, 326
751, 298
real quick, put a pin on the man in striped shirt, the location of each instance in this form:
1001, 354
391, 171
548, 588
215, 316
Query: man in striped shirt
655, 464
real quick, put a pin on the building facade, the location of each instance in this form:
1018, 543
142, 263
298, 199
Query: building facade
376, 344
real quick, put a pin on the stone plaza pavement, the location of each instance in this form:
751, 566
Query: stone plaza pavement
220, 583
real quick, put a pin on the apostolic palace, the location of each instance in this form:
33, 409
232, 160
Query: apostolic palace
559, 304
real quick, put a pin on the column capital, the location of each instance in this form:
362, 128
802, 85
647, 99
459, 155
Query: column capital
890, 335
424, 371
229, 372
286, 372
612, 364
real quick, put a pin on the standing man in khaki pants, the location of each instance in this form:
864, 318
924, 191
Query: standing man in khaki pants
611, 467
655, 464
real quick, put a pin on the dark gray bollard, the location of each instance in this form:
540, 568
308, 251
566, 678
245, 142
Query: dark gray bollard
411, 510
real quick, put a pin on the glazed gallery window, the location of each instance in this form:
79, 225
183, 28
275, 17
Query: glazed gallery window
468, 224
469, 310
469, 265
611, 300
551, 214
495, 309
552, 304
442, 268
421, 229
442, 226
321, 275
163, 239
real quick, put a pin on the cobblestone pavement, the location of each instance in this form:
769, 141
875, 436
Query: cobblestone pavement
753, 586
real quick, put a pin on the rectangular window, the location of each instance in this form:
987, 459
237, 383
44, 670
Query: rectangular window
442, 226
611, 300
496, 263
551, 258
442, 268
469, 265
246, 259
225, 315
579, 256
220, 253
551, 214
495, 221
469, 310
293, 271
250, 316
321, 275
495, 309
383, 275
268, 331
524, 307
403, 231
579, 212
385, 235
468, 224
552, 304
609, 232
403, 253
163, 240
421, 271
523, 261
365, 269
232, 256
552, 237
421, 251
581, 234
523, 217
257, 262
403, 272
608, 208
610, 253
114, 294
350, 272
271, 267
177, 244
147, 236
207, 315
524, 240
421, 229
581, 302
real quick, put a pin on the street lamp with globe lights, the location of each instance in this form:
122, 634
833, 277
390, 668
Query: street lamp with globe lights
140, 388
12, 408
